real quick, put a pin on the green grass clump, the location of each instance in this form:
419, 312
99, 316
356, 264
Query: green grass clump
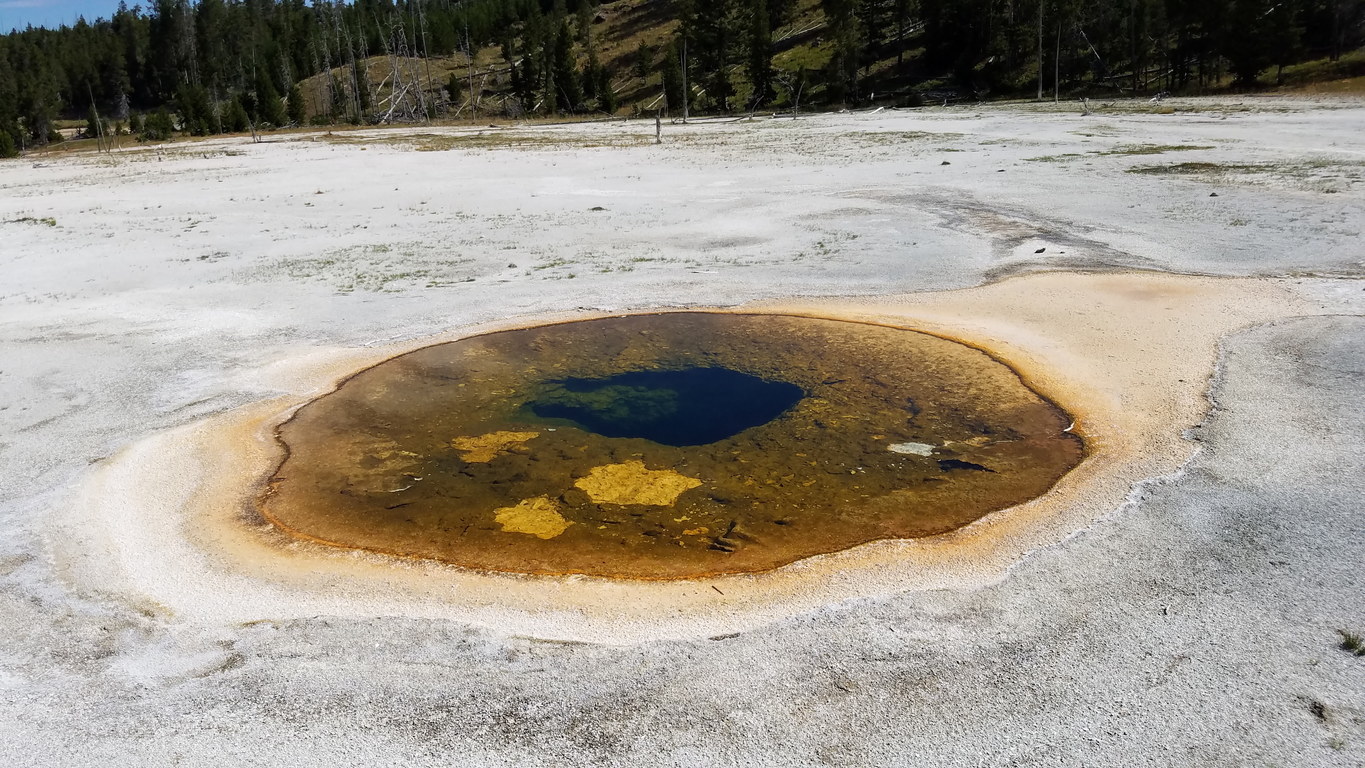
1192, 169
48, 220
1351, 643
1153, 149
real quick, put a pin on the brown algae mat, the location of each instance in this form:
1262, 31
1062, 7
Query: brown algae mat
659, 446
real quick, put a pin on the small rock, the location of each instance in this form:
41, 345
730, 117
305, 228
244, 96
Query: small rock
575, 497
597, 208
1213, 194
947, 465
1040, 250
945, 162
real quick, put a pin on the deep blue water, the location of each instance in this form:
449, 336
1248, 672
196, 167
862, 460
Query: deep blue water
692, 406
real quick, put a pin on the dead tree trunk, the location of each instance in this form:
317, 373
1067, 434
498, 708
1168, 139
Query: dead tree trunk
1040, 50
1057, 65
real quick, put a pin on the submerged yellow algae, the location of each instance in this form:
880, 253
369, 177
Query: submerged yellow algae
632, 482
482, 448
381, 465
538, 517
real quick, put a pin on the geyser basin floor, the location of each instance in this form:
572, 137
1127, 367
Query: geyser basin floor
675, 445
166, 523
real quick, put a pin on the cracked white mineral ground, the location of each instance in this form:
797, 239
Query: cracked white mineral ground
1187, 285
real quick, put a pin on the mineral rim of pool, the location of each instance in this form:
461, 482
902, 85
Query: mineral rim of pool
665, 446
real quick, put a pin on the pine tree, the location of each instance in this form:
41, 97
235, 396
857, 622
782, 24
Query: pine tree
196, 110
235, 118
780, 12
592, 76
9, 101
298, 115
709, 26
606, 97
38, 95
644, 60
568, 92
158, 126
93, 128
1247, 49
455, 87
670, 70
584, 21
362, 81
1286, 36
841, 74
340, 105
760, 61
269, 107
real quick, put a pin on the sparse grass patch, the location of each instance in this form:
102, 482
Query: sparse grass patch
492, 139
1326, 176
1054, 158
551, 264
1122, 151
1153, 149
898, 137
1198, 168
1351, 643
48, 220
1350, 85
1313, 75
371, 268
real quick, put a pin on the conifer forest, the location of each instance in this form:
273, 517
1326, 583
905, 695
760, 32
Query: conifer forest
220, 66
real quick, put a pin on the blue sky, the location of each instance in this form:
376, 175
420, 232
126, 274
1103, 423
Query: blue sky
53, 13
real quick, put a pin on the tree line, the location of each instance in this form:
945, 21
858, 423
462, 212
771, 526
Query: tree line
213, 66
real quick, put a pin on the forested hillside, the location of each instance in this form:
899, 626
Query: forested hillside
217, 66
